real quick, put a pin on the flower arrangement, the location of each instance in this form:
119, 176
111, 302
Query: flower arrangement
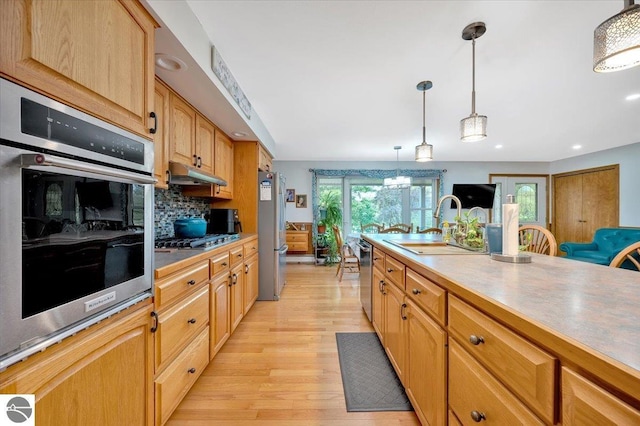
468, 233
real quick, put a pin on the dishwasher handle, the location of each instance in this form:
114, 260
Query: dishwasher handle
364, 247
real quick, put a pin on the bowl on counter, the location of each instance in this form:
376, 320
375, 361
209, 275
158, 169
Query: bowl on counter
193, 227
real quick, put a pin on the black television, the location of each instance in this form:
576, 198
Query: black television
474, 195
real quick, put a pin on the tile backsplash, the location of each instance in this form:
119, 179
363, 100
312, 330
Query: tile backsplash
170, 205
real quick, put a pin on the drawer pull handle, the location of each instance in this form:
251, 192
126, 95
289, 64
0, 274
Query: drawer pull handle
416, 291
224, 263
477, 416
192, 321
239, 254
192, 370
376, 258
389, 270
403, 315
476, 340
191, 282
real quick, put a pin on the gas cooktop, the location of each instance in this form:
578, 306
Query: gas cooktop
207, 242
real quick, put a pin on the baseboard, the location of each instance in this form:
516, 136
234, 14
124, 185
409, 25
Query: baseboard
300, 258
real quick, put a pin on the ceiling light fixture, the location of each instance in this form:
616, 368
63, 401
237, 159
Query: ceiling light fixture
398, 182
424, 151
633, 97
170, 62
616, 42
474, 127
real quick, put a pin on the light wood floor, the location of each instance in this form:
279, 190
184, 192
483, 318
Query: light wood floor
280, 367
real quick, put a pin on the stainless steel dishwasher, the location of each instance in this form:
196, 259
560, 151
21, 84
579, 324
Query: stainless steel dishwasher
364, 249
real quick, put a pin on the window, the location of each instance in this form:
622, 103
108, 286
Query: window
531, 196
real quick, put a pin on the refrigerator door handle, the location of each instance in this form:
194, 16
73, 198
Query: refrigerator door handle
283, 249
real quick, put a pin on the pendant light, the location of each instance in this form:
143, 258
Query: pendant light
616, 42
424, 151
474, 127
398, 182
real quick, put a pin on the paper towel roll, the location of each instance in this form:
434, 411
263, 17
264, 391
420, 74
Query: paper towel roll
510, 227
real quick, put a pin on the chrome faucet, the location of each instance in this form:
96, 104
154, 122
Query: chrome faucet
486, 215
445, 197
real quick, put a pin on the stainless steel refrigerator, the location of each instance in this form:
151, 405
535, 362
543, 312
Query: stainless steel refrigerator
271, 235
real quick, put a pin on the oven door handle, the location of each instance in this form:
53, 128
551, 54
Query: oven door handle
38, 160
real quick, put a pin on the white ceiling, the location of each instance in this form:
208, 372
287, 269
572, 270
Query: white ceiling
336, 80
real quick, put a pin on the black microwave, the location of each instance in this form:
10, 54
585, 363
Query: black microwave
223, 221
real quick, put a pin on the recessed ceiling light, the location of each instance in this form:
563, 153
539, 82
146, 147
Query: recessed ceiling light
577, 147
633, 97
239, 134
170, 62
498, 146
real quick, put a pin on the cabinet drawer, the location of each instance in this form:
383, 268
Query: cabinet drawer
394, 269
378, 259
179, 283
236, 255
585, 403
219, 263
473, 391
250, 248
297, 238
178, 325
523, 367
427, 295
173, 384
297, 246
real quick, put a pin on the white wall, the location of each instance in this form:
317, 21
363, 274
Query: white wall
628, 157
299, 178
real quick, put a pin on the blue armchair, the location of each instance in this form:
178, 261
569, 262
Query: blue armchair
606, 244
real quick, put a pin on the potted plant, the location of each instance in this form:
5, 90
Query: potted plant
329, 205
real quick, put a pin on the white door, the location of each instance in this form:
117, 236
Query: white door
531, 196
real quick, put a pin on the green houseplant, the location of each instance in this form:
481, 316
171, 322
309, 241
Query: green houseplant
329, 205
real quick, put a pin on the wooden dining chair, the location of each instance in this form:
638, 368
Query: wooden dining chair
349, 262
403, 227
394, 230
629, 256
429, 231
371, 228
537, 239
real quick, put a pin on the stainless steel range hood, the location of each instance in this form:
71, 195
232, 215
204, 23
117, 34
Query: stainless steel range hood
181, 174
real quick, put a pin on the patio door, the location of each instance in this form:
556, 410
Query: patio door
531, 195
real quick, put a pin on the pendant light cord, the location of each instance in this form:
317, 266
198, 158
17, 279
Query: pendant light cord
473, 75
424, 127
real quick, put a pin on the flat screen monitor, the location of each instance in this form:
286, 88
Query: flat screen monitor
474, 195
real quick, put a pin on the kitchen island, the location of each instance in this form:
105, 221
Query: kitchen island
584, 318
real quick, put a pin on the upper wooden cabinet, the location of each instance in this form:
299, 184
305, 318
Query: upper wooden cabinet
161, 137
264, 161
191, 136
224, 165
96, 56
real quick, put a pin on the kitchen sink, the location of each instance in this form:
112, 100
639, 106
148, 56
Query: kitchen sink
434, 248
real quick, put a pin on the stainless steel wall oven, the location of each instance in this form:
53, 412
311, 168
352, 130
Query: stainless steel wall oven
76, 221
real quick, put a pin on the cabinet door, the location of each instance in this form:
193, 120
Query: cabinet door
224, 165
161, 137
237, 304
94, 55
219, 317
395, 335
567, 208
585, 403
426, 366
250, 282
204, 144
101, 376
182, 131
377, 291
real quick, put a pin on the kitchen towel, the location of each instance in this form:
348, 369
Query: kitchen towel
510, 227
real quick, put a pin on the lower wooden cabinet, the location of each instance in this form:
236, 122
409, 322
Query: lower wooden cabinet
585, 403
220, 317
395, 329
476, 396
250, 282
101, 376
426, 372
176, 380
